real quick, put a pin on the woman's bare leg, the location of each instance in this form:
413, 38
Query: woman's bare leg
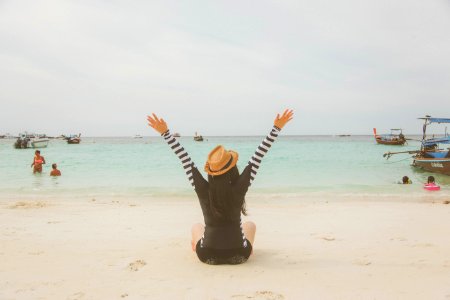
249, 229
197, 231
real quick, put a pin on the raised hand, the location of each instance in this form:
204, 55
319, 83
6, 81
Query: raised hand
157, 124
285, 118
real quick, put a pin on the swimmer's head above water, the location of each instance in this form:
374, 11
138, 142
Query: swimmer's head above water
406, 180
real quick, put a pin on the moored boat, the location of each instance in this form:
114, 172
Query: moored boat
6, 136
26, 140
434, 164
395, 138
39, 142
22, 142
198, 138
73, 139
430, 157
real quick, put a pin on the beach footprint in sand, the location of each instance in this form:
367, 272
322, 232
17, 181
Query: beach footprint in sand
362, 262
136, 265
76, 296
28, 205
266, 295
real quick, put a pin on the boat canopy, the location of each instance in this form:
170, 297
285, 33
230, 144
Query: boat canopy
436, 120
443, 140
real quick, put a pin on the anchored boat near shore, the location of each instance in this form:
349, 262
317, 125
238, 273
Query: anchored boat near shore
431, 157
26, 140
396, 137
198, 138
73, 139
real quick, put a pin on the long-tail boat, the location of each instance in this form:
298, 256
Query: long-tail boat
198, 138
396, 137
73, 139
431, 157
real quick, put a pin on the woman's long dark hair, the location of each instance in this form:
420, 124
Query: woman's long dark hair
222, 199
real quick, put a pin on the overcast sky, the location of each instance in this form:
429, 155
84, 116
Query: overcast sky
222, 67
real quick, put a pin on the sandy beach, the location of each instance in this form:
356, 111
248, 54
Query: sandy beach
305, 249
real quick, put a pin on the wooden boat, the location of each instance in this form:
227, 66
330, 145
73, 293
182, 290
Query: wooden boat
396, 137
437, 162
73, 139
198, 138
430, 157
176, 134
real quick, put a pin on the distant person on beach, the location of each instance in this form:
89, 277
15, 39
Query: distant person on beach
224, 239
38, 161
55, 171
406, 180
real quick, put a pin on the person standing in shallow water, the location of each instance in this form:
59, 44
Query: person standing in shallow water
38, 161
223, 239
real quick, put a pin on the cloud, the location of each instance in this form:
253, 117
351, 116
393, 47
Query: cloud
98, 67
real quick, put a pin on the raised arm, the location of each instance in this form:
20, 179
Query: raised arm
265, 145
161, 127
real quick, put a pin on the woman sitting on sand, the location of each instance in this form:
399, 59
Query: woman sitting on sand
224, 239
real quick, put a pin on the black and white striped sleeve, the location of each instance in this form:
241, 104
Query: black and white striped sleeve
262, 149
186, 160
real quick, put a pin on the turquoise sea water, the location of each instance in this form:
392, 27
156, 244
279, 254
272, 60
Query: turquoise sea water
147, 167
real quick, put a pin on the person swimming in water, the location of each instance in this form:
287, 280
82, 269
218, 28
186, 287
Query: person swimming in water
431, 184
55, 171
406, 180
38, 161
223, 239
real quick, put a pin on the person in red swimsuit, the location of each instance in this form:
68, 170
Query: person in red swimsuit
38, 161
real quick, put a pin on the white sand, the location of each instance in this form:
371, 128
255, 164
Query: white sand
304, 249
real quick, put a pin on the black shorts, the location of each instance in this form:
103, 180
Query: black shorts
213, 256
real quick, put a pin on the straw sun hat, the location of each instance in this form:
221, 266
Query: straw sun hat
220, 161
